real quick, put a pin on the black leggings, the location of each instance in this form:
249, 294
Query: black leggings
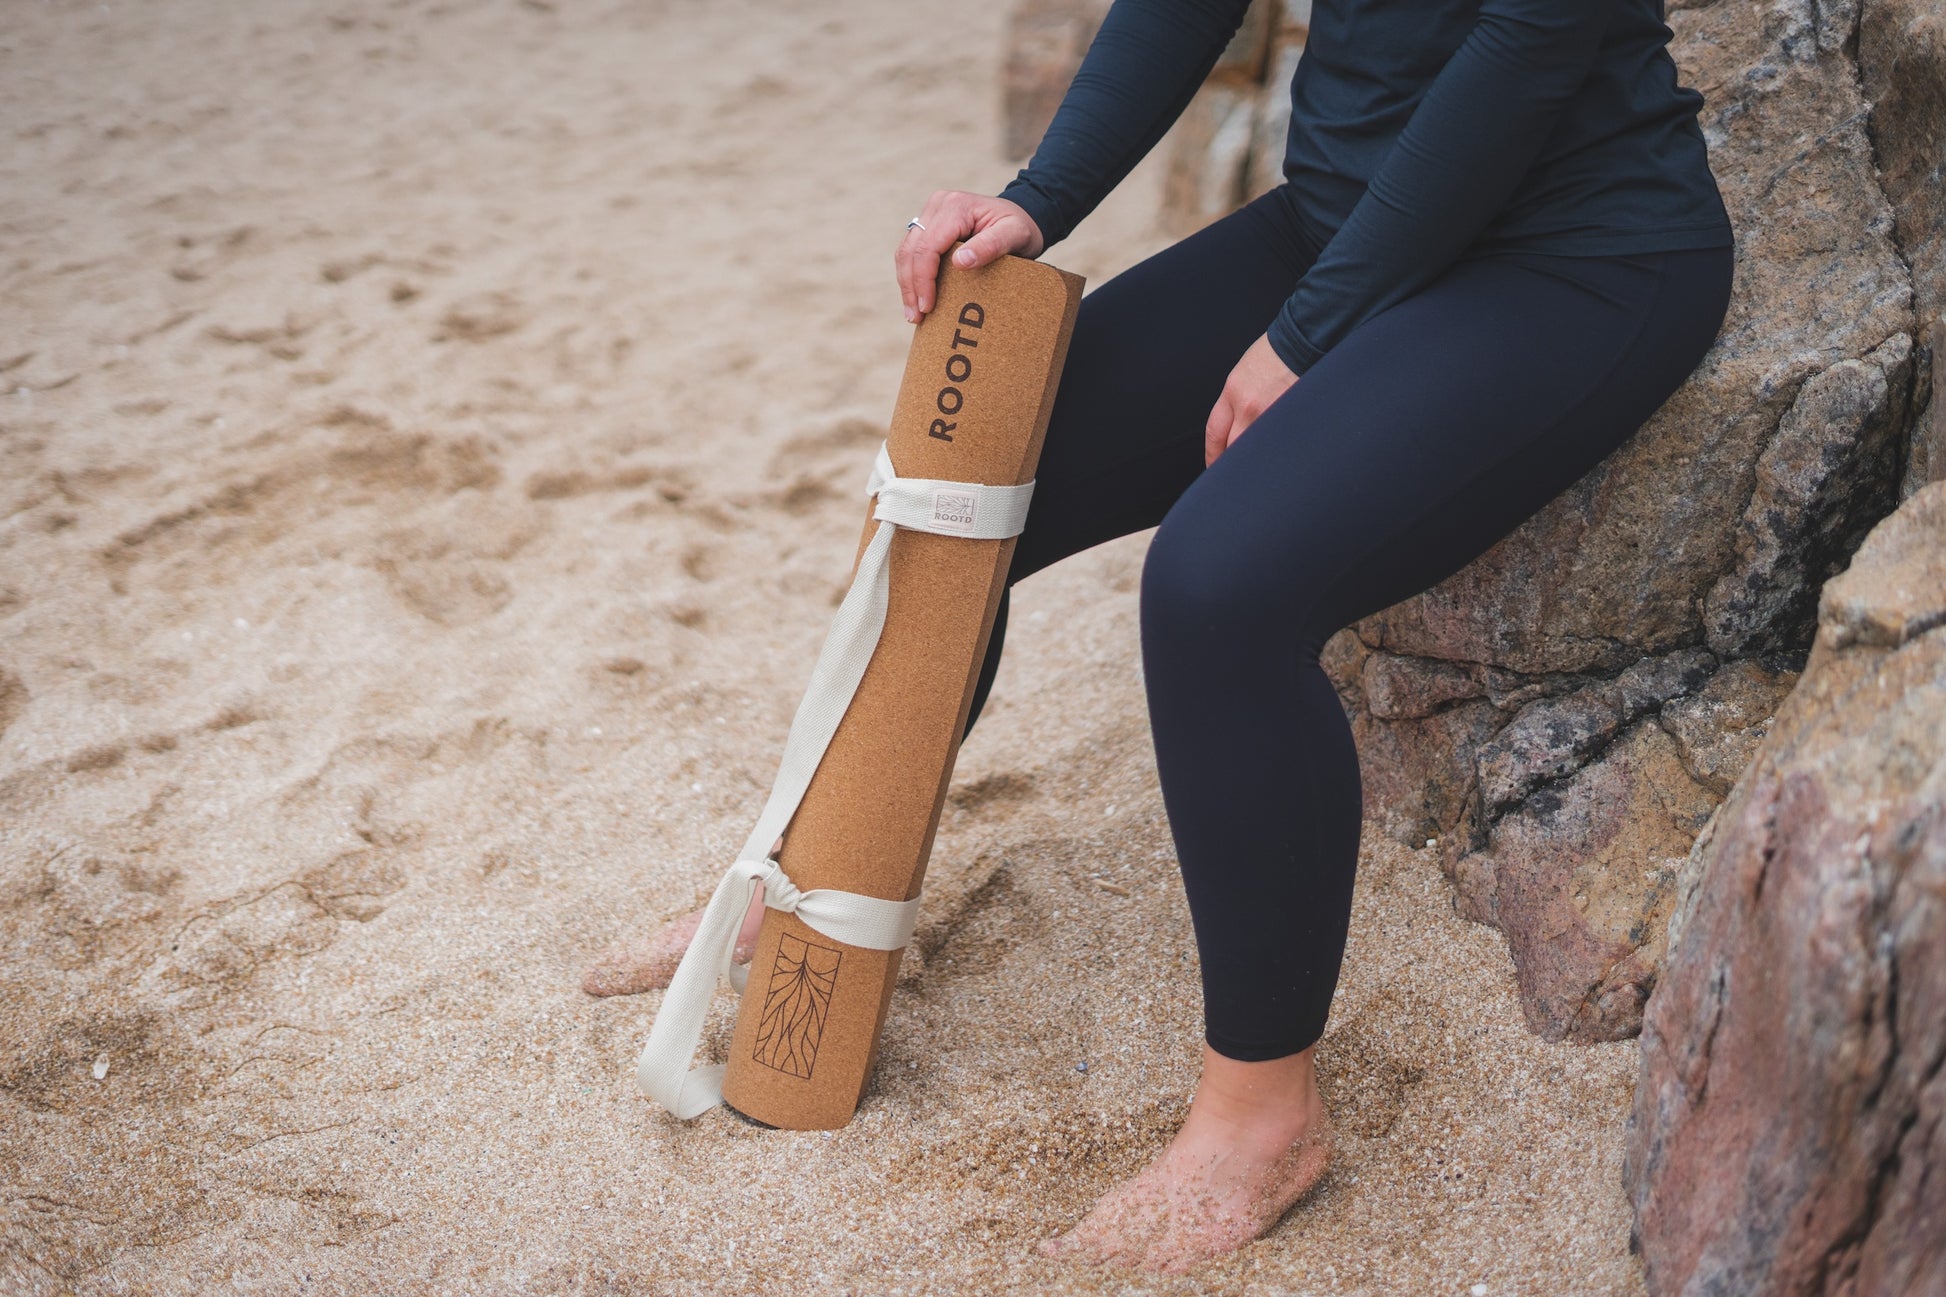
1434, 429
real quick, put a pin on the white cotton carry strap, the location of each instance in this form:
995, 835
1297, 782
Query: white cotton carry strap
966, 509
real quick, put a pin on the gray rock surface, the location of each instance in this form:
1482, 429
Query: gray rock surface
1789, 1127
1902, 66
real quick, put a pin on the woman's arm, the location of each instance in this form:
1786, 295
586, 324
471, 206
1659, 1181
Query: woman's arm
1469, 142
1142, 69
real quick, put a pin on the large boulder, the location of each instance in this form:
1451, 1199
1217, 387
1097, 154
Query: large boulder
1565, 712
1789, 1128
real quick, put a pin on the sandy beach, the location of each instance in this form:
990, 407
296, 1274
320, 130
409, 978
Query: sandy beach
434, 440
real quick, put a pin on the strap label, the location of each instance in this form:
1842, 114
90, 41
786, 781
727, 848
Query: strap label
954, 510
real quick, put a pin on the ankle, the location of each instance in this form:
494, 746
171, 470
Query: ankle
1275, 1102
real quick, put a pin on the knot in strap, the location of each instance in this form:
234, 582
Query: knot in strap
780, 893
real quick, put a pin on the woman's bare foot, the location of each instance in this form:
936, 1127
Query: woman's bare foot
636, 964
1257, 1137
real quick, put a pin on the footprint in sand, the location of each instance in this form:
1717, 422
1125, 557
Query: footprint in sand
102, 756
354, 885
994, 916
226, 945
13, 698
447, 591
200, 256
451, 568
1003, 788
845, 446
1371, 1079
479, 317
364, 461
699, 562
805, 494
78, 904
671, 485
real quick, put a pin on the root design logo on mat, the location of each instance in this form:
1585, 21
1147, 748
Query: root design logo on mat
795, 1006
953, 509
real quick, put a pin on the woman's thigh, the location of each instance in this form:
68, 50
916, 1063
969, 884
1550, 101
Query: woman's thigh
1433, 430
1151, 350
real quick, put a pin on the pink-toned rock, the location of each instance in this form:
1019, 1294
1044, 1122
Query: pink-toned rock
1789, 1129
1581, 879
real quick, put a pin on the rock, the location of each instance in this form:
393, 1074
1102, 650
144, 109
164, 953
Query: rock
1902, 65
1046, 40
1397, 688
1551, 738
1789, 1126
1717, 728
1242, 60
1582, 878
1900, 593
1808, 510
1209, 156
1618, 564
1217, 148
1926, 457
1707, 533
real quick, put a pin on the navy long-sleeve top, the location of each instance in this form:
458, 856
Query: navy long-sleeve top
1420, 130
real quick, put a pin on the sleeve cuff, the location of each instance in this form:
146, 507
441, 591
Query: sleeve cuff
1290, 344
1039, 208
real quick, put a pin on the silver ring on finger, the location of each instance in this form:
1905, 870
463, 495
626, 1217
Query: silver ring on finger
914, 224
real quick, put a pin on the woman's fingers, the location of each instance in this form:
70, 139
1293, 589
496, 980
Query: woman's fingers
1216, 433
1256, 383
946, 222
914, 265
991, 227
995, 241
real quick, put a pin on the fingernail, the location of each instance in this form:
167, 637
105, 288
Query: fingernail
964, 256
911, 316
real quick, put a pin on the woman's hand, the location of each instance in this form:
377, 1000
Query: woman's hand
1258, 379
991, 227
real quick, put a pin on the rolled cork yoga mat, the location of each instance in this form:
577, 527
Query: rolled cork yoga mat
973, 407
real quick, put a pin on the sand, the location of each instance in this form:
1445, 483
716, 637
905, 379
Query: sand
433, 438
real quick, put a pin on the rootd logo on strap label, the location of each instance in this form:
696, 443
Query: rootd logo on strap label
953, 509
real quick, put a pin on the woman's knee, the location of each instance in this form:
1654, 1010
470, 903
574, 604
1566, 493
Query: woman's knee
1196, 583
